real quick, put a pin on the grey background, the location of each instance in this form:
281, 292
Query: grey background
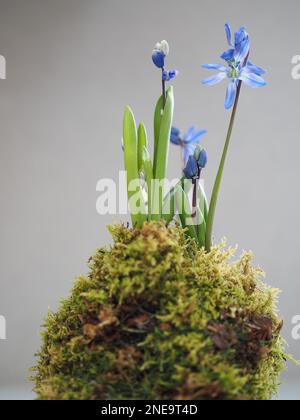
72, 66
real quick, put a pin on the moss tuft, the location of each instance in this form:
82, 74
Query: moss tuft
158, 319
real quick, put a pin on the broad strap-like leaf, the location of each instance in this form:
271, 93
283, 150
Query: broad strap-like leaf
201, 229
157, 123
142, 142
169, 206
185, 214
203, 202
169, 203
148, 171
131, 166
163, 146
202, 215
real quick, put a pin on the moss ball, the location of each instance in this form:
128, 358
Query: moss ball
159, 319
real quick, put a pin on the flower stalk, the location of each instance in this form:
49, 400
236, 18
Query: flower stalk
164, 96
217, 185
245, 72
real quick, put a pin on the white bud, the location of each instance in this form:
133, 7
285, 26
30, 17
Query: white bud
197, 152
164, 47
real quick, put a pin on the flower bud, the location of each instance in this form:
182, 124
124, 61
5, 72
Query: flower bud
167, 76
202, 160
158, 58
164, 47
191, 170
173, 74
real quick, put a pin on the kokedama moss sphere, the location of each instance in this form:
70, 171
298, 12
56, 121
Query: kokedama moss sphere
158, 319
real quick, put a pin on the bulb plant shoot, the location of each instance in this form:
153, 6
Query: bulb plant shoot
237, 69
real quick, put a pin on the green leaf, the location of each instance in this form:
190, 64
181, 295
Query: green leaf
157, 122
164, 136
169, 208
163, 146
203, 202
201, 229
169, 203
148, 170
202, 215
142, 142
131, 166
202, 209
185, 213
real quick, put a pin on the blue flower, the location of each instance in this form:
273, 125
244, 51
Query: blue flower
188, 141
158, 58
238, 68
241, 43
159, 54
202, 159
195, 163
191, 171
167, 76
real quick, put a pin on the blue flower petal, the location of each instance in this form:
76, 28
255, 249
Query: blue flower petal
255, 69
188, 151
176, 141
196, 137
240, 36
158, 58
228, 34
228, 55
251, 79
231, 94
214, 80
219, 67
239, 68
175, 131
175, 136
242, 51
189, 134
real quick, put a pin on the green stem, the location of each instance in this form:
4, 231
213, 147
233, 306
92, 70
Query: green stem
216, 189
163, 90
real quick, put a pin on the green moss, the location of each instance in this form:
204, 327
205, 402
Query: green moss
158, 319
